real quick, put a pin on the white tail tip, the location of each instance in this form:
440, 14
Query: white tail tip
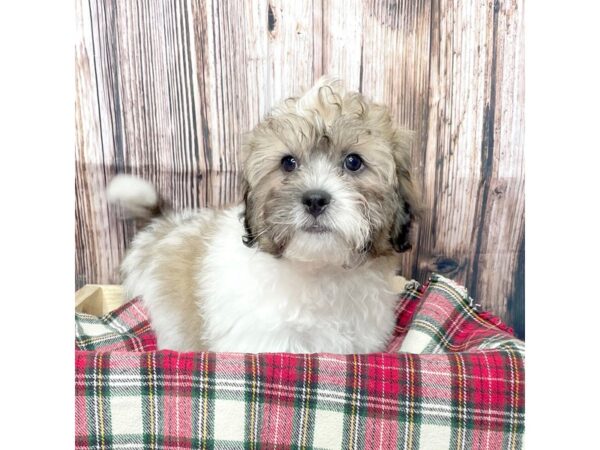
138, 197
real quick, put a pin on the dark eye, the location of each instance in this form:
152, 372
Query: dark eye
289, 164
353, 162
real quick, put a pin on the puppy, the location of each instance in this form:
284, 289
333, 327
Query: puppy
304, 263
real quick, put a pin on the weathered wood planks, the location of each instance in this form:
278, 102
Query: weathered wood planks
166, 89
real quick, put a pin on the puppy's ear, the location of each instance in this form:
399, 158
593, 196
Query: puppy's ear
409, 205
248, 215
400, 235
249, 238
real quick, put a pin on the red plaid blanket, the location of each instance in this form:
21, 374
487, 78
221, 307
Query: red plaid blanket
452, 378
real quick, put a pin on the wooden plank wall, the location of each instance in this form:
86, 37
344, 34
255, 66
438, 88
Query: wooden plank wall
166, 88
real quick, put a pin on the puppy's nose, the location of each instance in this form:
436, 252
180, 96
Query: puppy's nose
316, 201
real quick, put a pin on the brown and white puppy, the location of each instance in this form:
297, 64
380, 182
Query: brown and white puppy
304, 263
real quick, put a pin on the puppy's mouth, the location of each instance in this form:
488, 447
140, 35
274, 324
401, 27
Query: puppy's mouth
316, 228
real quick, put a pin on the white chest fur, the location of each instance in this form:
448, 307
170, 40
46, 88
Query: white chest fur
254, 302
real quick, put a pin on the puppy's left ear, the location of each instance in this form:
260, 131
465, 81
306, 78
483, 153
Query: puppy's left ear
409, 204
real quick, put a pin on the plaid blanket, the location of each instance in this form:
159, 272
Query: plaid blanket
452, 378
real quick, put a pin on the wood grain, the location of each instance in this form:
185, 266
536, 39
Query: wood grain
165, 90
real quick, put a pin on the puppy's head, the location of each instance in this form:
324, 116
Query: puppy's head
327, 179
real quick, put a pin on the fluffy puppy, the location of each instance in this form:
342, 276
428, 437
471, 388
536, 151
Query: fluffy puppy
304, 263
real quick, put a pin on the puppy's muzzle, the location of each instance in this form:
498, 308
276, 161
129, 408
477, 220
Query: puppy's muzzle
316, 201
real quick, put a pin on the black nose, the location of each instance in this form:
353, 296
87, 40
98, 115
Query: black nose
316, 201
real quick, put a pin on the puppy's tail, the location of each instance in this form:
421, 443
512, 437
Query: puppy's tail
138, 198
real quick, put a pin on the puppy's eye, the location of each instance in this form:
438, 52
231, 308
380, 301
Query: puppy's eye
289, 163
353, 162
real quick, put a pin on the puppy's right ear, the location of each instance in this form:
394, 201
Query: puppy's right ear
249, 239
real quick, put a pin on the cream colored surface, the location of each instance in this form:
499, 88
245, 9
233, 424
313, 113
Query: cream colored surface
98, 299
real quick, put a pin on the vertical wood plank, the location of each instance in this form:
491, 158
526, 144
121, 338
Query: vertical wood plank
499, 249
294, 51
97, 252
453, 158
395, 70
342, 40
475, 227
141, 54
229, 33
